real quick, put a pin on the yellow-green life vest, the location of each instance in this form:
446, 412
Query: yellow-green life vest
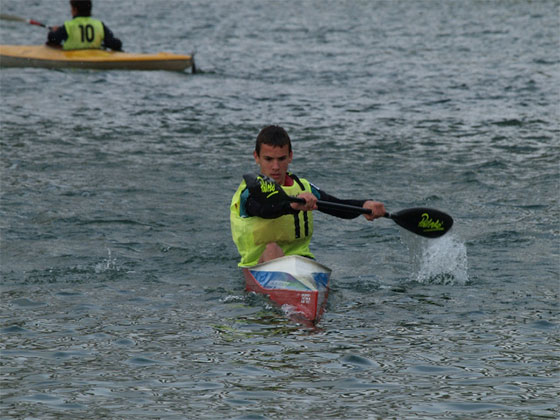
292, 232
83, 33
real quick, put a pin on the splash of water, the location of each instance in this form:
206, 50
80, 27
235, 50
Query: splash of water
110, 264
438, 261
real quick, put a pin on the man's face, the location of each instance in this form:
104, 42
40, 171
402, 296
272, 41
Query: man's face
274, 161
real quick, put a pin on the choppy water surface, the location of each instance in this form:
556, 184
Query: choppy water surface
120, 292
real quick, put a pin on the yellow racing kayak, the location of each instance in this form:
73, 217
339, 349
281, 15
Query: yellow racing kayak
56, 58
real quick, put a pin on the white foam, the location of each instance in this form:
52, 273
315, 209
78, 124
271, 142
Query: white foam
438, 261
110, 264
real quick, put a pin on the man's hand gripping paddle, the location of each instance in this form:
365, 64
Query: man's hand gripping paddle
423, 221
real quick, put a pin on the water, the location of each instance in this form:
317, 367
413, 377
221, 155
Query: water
120, 292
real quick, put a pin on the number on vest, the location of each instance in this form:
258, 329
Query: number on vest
87, 33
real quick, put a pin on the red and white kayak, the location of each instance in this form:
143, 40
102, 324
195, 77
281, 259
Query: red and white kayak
298, 284
55, 58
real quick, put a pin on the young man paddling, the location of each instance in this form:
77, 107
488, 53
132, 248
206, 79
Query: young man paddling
264, 229
83, 32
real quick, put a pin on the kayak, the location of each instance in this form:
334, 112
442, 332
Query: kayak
55, 58
298, 284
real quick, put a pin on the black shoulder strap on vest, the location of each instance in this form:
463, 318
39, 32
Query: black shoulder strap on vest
295, 178
305, 217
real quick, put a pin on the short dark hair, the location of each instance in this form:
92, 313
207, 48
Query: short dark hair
82, 6
273, 135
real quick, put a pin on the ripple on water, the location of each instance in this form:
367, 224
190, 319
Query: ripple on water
359, 362
27, 303
14, 329
143, 361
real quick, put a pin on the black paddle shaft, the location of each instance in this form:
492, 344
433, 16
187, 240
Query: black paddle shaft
327, 205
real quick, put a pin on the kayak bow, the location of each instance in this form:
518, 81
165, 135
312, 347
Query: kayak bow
298, 284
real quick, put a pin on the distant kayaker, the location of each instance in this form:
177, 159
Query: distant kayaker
264, 229
82, 31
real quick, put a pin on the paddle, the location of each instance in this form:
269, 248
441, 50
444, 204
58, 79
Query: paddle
423, 221
20, 19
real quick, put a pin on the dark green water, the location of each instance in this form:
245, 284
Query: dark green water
120, 293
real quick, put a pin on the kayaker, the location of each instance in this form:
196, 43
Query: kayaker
263, 231
82, 31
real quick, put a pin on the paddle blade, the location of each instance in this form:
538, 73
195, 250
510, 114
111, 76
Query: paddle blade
430, 223
261, 185
265, 189
20, 19
12, 17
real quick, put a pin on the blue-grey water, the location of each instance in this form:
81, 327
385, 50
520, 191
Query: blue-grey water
121, 297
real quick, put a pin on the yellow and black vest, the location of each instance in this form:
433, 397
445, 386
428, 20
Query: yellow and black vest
292, 232
83, 33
